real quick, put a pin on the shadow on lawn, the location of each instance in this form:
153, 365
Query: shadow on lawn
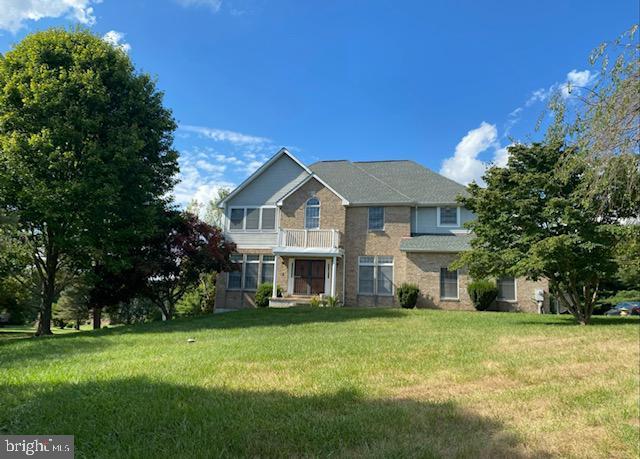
138, 417
267, 317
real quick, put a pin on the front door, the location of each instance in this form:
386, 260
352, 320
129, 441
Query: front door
309, 277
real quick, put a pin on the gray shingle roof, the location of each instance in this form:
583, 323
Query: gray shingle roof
437, 243
386, 182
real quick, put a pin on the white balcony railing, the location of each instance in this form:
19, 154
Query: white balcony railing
309, 238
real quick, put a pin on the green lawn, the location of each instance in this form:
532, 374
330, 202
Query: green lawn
25, 331
333, 382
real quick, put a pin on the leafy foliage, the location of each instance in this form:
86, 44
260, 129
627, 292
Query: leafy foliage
264, 292
72, 306
532, 221
483, 293
86, 157
174, 260
408, 295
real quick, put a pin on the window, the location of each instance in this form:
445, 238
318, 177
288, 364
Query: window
448, 284
507, 289
235, 277
252, 263
312, 214
268, 218
246, 278
376, 218
252, 218
237, 219
448, 216
375, 275
266, 276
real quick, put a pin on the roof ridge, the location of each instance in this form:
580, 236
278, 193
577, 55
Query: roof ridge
382, 181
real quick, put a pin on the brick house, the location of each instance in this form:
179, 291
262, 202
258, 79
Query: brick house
354, 230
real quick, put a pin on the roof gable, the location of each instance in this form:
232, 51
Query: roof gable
269, 182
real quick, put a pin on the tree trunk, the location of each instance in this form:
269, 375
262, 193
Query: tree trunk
44, 319
97, 317
48, 296
77, 327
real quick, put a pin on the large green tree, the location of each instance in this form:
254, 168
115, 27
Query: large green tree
531, 221
86, 156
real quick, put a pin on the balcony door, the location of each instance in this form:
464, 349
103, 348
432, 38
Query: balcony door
309, 277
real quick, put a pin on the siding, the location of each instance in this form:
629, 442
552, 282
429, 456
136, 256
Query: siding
271, 185
255, 239
427, 220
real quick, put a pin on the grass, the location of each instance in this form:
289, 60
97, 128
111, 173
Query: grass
333, 382
26, 331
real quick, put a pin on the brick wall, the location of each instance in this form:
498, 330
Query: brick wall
360, 241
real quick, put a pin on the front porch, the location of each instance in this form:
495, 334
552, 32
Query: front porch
311, 259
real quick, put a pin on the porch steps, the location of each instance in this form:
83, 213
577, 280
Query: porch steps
289, 301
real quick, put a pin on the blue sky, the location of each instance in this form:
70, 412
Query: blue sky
448, 84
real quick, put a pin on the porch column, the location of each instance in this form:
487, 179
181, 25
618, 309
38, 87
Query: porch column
276, 262
333, 276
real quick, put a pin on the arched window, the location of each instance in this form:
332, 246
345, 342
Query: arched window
312, 213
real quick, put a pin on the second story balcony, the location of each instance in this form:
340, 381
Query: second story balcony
308, 241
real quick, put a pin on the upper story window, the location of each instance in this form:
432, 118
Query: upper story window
376, 218
312, 213
507, 289
252, 218
449, 216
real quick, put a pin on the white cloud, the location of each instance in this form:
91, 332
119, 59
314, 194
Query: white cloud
465, 166
576, 80
198, 179
210, 167
221, 135
14, 13
500, 157
213, 5
116, 39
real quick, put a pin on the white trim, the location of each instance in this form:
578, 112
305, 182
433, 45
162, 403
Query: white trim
439, 225
515, 291
290, 281
334, 267
322, 182
450, 298
260, 170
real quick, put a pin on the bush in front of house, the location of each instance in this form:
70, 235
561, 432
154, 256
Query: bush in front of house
483, 293
263, 293
408, 295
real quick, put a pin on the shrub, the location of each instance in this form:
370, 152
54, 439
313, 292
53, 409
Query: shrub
315, 301
408, 295
263, 293
483, 293
332, 302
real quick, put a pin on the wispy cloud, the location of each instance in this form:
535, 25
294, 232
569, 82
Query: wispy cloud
14, 13
213, 5
574, 81
221, 135
116, 39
